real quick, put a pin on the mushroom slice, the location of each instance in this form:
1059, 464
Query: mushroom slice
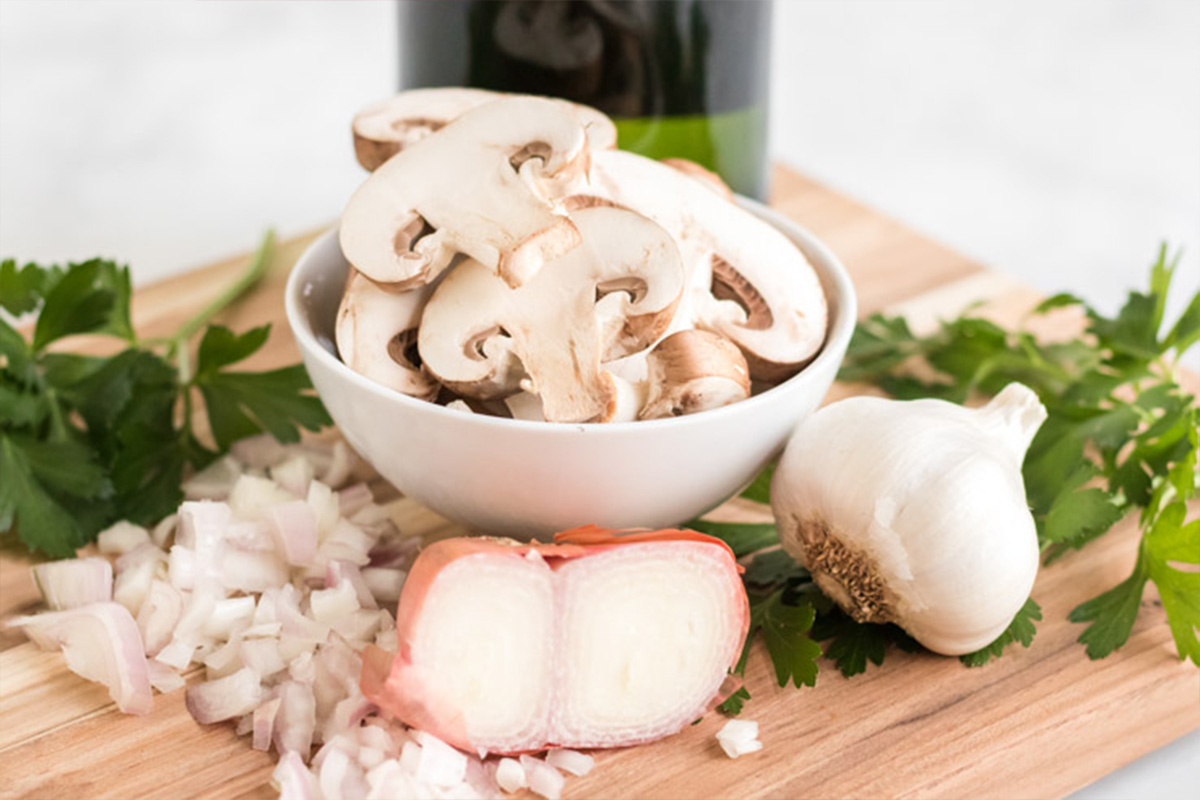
706, 176
552, 324
384, 128
376, 335
478, 187
747, 281
692, 371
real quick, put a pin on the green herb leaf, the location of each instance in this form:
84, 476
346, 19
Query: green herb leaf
742, 537
785, 632
243, 403
86, 441
854, 644
92, 297
42, 523
759, 489
1021, 630
22, 289
735, 702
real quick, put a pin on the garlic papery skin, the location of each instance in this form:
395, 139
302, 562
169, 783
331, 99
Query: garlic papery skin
915, 512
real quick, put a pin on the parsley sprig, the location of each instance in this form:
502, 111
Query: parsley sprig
87, 440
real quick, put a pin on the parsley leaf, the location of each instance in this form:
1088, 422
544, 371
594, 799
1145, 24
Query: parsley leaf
22, 289
759, 489
742, 537
735, 702
86, 441
1021, 630
853, 644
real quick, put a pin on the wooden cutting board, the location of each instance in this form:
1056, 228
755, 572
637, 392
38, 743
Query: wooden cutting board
1038, 723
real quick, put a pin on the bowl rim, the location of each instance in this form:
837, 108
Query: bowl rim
829, 269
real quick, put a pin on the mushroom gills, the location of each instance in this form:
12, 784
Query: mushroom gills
748, 282
556, 328
376, 335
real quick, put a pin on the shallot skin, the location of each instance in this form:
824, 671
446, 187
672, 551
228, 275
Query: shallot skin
601, 639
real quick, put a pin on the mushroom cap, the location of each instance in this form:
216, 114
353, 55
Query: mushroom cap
375, 332
691, 371
477, 187
387, 126
747, 281
552, 323
704, 175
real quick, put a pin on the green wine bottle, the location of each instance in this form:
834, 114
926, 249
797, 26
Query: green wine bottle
681, 78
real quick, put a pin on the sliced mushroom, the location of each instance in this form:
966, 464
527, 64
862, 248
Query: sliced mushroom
385, 128
552, 323
471, 188
704, 175
627, 400
376, 335
693, 371
747, 281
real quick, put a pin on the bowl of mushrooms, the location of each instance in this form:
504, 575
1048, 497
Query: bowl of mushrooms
527, 329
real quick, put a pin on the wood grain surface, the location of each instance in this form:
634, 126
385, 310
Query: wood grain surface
1038, 723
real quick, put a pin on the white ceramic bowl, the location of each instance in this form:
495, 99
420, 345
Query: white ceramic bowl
525, 479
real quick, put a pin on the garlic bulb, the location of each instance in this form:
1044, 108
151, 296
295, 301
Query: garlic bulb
915, 512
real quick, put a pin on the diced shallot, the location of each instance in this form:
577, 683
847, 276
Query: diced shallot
739, 737
353, 498
294, 525
296, 720
121, 538
294, 474
341, 463
163, 678
337, 571
74, 582
384, 583
164, 531
251, 570
293, 779
264, 724
262, 655
100, 642
571, 761
230, 615
328, 605
543, 778
136, 570
325, 505
159, 615
440, 764
224, 698
510, 775
215, 481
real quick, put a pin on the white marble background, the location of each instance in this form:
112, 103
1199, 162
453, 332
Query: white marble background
1057, 140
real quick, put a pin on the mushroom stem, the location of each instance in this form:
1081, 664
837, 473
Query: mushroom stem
692, 371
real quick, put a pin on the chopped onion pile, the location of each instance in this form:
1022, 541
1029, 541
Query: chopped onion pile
273, 577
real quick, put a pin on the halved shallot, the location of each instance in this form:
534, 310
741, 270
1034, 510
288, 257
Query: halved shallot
602, 639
